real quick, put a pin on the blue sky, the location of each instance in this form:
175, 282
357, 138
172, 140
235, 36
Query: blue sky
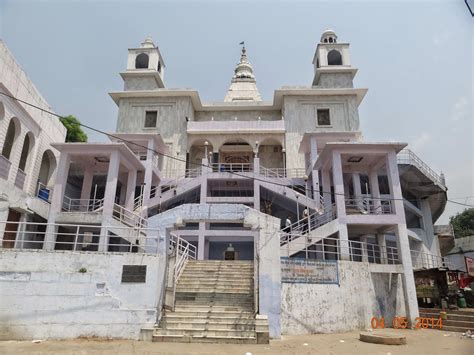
416, 59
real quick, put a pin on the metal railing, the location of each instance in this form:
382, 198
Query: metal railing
282, 173
368, 205
74, 237
307, 224
184, 251
138, 203
406, 156
231, 167
128, 217
82, 205
4, 167
422, 260
182, 173
330, 248
20, 179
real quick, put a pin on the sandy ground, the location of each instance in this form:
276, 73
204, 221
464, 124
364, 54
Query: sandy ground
423, 341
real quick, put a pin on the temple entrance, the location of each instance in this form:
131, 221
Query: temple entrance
231, 251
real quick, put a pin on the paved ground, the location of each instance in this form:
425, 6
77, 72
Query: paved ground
419, 342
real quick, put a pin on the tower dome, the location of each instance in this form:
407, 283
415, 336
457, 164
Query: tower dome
244, 69
329, 36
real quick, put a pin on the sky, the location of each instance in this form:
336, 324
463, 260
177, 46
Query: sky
415, 57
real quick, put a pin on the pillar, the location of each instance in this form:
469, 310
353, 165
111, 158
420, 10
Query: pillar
131, 184
201, 240
315, 185
109, 197
431, 239
364, 250
382, 243
57, 200
403, 246
205, 171
374, 188
87, 185
326, 180
340, 204
148, 177
256, 184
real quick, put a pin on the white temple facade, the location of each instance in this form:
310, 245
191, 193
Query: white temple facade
245, 180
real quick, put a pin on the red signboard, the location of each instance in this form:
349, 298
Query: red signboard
469, 266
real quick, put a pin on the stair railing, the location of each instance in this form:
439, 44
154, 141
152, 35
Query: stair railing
184, 251
128, 217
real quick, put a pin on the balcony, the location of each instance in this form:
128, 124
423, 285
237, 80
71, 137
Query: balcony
407, 157
202, 127
371, 206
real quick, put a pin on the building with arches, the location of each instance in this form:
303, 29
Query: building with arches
267, 215
27, 159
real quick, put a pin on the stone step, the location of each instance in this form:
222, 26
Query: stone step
450, 316
214, 317
208, 326
450, 328
450, 311
206, 303
218, 273
203, 262
203, 332
212, 293
205, 339
209, 308
191, 282
215, 289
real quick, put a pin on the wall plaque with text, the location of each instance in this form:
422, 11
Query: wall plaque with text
134, 273
295, 270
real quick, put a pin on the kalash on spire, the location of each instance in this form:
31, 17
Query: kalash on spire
243, 86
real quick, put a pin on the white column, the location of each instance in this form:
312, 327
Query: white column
87, 185
148, 177
364, 250
340, 203
131, 184
326, 180
356, 185
374, 188
431, 240
403, 246
57, 200
205, 172
382, 243
201, 240
315, 184
256, 184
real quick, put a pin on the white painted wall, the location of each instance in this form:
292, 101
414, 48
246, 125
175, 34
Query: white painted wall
327, 308
44, 296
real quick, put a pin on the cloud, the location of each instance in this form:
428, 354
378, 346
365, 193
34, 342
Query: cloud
419, 143
460, 109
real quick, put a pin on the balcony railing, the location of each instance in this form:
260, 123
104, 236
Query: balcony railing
82, 205
232, 167
422, 260
20, 179
182, 173
406, 156
282, 173
4, 167
128, 217
73, 237
367, 205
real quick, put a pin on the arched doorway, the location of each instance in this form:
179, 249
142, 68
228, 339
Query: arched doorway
47, 168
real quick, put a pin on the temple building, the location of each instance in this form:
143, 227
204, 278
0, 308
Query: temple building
230, 201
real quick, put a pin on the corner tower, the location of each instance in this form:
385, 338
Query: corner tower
332, 65
145, 67
243, 86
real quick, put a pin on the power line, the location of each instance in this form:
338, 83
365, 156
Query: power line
196, 164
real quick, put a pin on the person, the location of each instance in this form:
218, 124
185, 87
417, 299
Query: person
305, 220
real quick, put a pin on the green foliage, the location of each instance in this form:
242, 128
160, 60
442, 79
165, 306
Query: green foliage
83, 270
463, 223
74, 131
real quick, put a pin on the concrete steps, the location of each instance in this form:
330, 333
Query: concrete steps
457, 320
214, 303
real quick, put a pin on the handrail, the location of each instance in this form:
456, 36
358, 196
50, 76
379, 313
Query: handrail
182, 173
232, 167
423, 260
81, 205
78, 237
138, 202
128, 217
184, 252
368, 205
406, 156
282, 172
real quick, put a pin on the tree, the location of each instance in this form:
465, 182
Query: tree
74, 131
463, 223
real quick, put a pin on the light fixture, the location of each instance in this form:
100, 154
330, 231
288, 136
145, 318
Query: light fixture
355, 159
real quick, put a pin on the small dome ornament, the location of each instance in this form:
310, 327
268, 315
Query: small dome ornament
148, 42
244, 69
329, 36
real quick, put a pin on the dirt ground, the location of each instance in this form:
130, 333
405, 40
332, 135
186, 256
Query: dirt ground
423, 341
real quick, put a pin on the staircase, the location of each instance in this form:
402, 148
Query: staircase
214, 303
457, 321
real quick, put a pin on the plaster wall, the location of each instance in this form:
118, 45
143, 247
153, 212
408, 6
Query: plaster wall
171, 123
335, 80
301, 116
241, 115
44, 296
327, 308
140, 83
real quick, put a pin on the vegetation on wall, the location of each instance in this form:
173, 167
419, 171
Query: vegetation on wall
74, 130
463, 223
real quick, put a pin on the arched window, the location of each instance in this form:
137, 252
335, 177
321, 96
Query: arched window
330, 39
27, 145
12, 132
159, 67
325, 40
334, 58
48, 165
141, 61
